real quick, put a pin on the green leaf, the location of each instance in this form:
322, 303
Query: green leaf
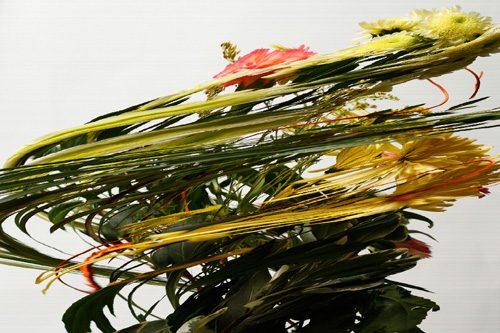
328, 70
323, 231
415, 216
125, 215
467, 104
376, 227
400, 234
201, 303
156, 326
421, 233
178, 253
395, 309
18, 254
256, 190
80, 314
58, 213
190, 325
199, 324
244, 291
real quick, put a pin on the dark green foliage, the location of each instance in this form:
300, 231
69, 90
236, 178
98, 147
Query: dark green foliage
394, 309
89, 309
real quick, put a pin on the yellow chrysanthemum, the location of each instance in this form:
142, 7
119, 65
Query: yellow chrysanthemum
385, 26
455, 182
450, 25
432, 155
427, 172
417, 157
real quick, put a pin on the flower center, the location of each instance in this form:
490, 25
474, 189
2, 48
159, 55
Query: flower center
457, 25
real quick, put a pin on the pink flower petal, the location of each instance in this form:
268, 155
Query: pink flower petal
260, 59
415, 247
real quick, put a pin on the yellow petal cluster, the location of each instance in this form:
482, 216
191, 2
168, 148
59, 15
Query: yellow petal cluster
450, 26
385, 26
458, 181
433, 155
423, 173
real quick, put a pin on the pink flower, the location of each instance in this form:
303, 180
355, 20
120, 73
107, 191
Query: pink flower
259, 59
415, 247
389, 154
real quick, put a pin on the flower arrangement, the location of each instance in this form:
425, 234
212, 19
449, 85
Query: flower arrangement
212, 200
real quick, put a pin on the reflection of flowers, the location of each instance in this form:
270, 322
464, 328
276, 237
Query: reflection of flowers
415, 247
260, 59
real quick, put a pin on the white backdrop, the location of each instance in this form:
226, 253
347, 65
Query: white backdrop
64, 62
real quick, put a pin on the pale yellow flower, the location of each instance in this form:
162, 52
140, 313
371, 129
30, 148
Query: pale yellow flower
447, 26
450, 26
385, 26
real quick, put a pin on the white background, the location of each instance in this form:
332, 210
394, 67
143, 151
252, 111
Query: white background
65, 62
